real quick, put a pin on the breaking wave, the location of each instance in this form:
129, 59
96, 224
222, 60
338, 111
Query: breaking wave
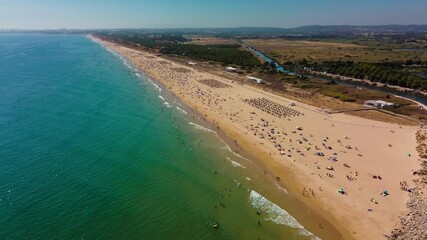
275, 213
236, 164
198, 127
167, 104
181, 110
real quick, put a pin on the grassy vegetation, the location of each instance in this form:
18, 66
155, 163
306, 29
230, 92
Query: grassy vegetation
329, 89
341, 92
411, 110
206, 40
228, 54
338, 93
357, 50
175, 44
390, 61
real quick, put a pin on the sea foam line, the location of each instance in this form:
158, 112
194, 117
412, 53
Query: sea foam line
227, 147
153, 83
199, 127
167, 104
181, 110
236, 164
146, 77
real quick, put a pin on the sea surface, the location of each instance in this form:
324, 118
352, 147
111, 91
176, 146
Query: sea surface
92, 149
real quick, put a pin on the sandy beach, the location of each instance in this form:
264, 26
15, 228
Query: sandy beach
355, 171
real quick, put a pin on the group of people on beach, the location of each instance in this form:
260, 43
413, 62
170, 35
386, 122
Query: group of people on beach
213, 83
272, 108
288, 144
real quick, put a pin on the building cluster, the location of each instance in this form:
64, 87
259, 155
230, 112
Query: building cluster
378, 104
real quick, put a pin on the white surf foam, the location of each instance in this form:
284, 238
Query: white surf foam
149, 80
181, 110
236, 164
236, 182
226, 147
126, 63
167, 104
275, 213
161, 97
198, 127
154, 84
231, 150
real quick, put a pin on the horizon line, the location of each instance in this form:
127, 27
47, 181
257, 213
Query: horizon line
236, 27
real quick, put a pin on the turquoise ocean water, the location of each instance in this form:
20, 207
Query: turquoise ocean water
90, 150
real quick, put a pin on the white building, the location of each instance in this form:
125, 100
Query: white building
256, 80
378, 104
231, 69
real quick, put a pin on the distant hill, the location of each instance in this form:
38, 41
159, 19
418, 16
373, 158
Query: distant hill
318, 29
312, 30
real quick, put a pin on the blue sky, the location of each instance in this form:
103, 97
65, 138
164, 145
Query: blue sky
53, 14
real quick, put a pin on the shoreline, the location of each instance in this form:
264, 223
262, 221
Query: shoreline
275, 168
293, 203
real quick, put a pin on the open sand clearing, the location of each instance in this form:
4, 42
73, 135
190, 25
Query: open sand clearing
355, 171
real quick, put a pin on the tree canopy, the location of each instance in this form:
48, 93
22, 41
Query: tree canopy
387, 73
